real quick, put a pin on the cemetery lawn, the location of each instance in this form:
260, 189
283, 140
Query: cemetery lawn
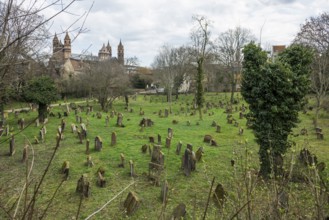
192, 191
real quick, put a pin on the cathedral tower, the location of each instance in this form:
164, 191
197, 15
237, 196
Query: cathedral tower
120, 53
67, 46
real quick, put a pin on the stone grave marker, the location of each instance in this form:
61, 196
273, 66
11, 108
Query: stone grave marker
107, 121
159, 139
98, 143
132, 203
164, 192
66, 169
168, 142
83, 186
219, 195
213, 143
188, 162
144, 148
240, 131
25, 153
122, 159
179, 212
213, 124
113, 138
198, 154
12, 146
132, 169
170, 133
179, 147
218, 129
166, 113
101, 180
151, 139
120, 119
63, 125
207, 138
37, 123
89, 162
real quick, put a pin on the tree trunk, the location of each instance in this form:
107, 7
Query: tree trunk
42, 112
317, 110
127, 101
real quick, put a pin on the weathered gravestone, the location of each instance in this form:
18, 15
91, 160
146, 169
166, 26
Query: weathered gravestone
73, 128
166, 114
83, 186
188, 161
66, 169
132, 169
170, 133
179, 212
12, 146
107, 121
207, 138
120, 120
213, 143
164, 192
240, 131
220, 195
144, 148
89, 162
159, 139
122, 159
131, 203
179, 147
25, 153
151, 139
199, 153
218, 128
98, 143
213, 124
113, 138
101, 180
168, 142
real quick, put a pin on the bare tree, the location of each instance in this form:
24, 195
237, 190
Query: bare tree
106, 81
201, 47
315, 34
23, 34
228, 48
170, 66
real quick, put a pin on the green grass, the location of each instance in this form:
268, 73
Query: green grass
193, 190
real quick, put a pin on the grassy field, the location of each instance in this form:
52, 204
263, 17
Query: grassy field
240, 182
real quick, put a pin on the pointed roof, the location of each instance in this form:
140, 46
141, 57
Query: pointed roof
120, 44
55, 39
108, 47
67, 37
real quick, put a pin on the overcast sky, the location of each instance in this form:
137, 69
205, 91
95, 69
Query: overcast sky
145, 25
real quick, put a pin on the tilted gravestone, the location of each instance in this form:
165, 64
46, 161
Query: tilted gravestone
179, 212
101, 180
132, 169
188, 161
168, 142
89, 162
122, 159
120, 120
66, 169
207, 138
83, 186
198, 154
98, 143
132, 203
219, 195
144, 148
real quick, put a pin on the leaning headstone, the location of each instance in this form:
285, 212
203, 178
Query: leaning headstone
80, 136
144, 148
12, 146
179, 212
213, 143
151, 139
66, 169
164, 192
113, 138
199, 153
218, 128
187, 162
25, 153
101, 180
207, 138
179, 147
132, 203
219, 195
107, 121
168, 142
89, 162
83, 186
98, 143
122, 159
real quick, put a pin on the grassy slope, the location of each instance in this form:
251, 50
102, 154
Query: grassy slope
192, 191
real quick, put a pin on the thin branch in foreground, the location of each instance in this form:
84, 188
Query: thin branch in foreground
108, 202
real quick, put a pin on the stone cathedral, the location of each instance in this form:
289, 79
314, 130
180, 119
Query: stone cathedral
64, 63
